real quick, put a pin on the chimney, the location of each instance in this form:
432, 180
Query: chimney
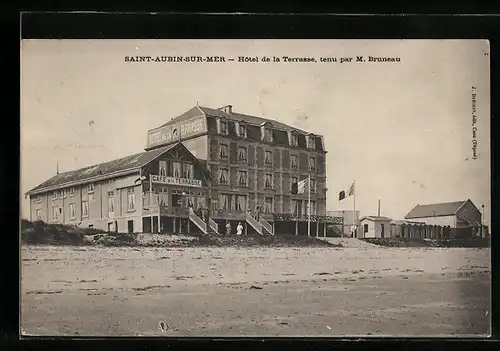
227, 109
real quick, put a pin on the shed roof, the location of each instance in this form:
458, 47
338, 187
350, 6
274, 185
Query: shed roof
376, 218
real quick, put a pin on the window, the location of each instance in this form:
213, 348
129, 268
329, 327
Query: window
268, 181
223, 153
38, 198
268, 158
268, 205
71, 191
177, 169
85, 209
38, 214
163, 167
72, 211
312, 163
188, 170
293, 161
242, 154
313, 186
223, 176
90, 188
54, 195
241, 203
365, 228
225, 202
295, 181
311, 141
268, 135
296, 207
242, 130
242, 178
55, 212
313, 208
223, 127
111, 202
294, 139
130, 199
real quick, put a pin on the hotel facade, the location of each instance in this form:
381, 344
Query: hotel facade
199, 171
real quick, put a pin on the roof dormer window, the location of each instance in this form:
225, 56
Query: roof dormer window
242, 130
311, 141
267, 132
294, 138
223, 126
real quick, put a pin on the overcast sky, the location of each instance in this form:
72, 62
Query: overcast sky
403, 130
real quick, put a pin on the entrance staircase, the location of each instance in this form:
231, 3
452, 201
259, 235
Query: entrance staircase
266, 226
262, 226
253, 222
212, 228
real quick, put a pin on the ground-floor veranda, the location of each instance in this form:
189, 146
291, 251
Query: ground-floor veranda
181, 224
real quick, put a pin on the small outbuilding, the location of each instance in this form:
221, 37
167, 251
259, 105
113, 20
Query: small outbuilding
374, 227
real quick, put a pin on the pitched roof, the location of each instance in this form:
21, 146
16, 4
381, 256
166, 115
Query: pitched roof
249, 119
132, 162
435, 210
193, 112
232, 116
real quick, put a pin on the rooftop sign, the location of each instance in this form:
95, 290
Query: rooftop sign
170, 133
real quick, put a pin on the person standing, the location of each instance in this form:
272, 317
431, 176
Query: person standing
239, 229
257, 214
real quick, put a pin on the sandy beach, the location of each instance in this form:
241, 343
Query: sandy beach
357, 291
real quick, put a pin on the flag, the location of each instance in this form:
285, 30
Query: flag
342, 195
351, 189
302, 186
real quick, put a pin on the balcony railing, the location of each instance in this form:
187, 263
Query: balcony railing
165, 211
239, 215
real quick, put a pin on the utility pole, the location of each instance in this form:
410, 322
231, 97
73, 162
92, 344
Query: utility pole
482, 223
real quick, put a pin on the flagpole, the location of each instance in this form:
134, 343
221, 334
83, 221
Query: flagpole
309, 206
151, 200
354, 208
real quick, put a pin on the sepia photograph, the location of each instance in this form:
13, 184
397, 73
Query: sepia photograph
257, 188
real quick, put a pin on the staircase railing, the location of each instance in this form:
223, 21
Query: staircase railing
253, 222
266, 225
213, 224
197, 221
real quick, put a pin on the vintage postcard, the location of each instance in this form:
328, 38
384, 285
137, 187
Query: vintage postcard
255, 188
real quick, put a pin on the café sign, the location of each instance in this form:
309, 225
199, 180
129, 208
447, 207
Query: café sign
176, 181
170, 133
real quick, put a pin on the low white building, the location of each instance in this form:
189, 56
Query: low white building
374, 227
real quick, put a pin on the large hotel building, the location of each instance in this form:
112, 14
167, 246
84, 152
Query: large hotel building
242, 167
